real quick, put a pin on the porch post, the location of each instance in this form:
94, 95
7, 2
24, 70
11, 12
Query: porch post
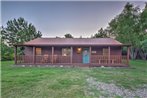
34, 57
52, 54
90, 54
109, 55
128, 52
15, 54
71, 54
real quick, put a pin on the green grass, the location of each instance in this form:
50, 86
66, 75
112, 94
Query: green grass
34, 82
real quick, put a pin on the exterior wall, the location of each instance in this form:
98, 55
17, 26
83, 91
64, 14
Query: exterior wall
77, 57
58, 57
114, 50
45, 50
98, 50
58, 50
28, 50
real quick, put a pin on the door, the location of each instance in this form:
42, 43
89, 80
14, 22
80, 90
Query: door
85, 55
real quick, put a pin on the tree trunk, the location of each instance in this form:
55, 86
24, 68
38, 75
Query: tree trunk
142, 54
133, 52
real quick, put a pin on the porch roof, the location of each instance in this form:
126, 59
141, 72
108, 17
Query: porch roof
72, 42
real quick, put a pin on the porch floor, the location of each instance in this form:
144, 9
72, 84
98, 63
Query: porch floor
72, 65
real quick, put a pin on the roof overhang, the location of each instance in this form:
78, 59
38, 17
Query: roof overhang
126, 45
73, 45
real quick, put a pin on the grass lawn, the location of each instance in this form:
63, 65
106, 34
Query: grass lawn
32, 82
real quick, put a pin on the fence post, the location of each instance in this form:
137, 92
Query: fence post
52, 54
90, 54
109, 55
71, 54
34, 57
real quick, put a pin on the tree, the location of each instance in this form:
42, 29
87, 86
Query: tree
68, 36
19, 31
142, 25
143, 49
6, 52
130, 27
125, 27
101, 34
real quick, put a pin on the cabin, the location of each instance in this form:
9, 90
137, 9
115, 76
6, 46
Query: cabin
89, 52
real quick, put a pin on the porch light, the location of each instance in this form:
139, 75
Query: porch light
79, 50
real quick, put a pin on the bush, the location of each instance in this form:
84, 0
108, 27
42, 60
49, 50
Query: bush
7, 52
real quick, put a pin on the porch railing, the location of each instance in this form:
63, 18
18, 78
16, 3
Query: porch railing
57, 59
42, 59
114, 59
24, 59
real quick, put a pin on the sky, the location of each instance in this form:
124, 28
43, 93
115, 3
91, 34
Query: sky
79, 18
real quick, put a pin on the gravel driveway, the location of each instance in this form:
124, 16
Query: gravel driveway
111, 90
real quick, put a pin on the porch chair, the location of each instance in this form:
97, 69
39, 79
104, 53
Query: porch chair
45, 58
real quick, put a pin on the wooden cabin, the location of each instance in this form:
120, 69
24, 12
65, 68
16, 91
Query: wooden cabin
72, 52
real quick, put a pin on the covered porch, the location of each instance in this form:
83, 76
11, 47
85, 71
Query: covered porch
73, 55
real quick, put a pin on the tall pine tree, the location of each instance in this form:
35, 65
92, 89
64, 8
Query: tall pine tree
19, 31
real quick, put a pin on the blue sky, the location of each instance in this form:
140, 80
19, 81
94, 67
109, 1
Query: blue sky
58, 18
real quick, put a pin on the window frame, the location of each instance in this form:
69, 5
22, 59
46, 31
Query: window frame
40, 51
66, 51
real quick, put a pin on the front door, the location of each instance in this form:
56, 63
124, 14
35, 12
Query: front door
85, 55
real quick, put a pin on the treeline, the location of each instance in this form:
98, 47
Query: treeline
129, 27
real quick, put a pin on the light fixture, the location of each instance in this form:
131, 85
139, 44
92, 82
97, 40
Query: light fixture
79, 50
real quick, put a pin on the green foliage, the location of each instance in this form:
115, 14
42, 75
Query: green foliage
6, 52
124, 51
68, 36
19, 31
143, 49
143, 24
123, 26
101, 34
144, 45
129, 27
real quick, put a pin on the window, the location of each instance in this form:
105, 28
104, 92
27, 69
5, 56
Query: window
105, 51
38, 51
66, 52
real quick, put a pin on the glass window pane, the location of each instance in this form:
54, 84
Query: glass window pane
38, 51
65, 51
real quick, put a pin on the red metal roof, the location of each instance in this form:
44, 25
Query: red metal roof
72, 41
